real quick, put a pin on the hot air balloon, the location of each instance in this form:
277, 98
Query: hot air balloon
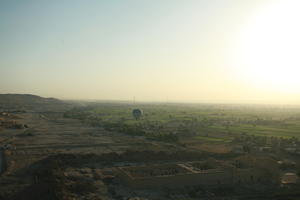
137, 113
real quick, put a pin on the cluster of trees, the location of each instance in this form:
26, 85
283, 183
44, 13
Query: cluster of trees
140, 130
174, 123
265, 140
226, 122
166, 137
149, 130
77, 113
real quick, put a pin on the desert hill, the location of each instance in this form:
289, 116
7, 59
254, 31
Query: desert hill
30, 102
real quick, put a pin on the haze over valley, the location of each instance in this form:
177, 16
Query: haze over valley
149, 100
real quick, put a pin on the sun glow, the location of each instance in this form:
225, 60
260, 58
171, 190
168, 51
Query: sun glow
267, 53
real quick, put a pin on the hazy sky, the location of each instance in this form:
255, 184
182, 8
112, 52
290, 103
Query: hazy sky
153, 50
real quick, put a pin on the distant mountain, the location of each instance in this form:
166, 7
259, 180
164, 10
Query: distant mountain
30, 102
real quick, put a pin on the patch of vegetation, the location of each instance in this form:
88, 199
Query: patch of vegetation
210, 123
212, 139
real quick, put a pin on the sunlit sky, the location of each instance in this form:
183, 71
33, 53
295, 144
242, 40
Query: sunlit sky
236, 51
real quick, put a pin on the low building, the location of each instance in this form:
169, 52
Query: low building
265, 149
289, 178
188, 174
11, 124
291, 149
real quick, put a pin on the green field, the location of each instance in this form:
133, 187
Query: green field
218, 122
212, 139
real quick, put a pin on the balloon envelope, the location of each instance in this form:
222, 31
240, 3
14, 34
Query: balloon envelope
137, 113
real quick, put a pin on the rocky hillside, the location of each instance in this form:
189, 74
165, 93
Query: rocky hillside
29, 102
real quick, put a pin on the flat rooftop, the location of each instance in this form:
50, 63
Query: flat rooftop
167, 170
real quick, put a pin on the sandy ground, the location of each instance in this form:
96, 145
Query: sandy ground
51, 133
